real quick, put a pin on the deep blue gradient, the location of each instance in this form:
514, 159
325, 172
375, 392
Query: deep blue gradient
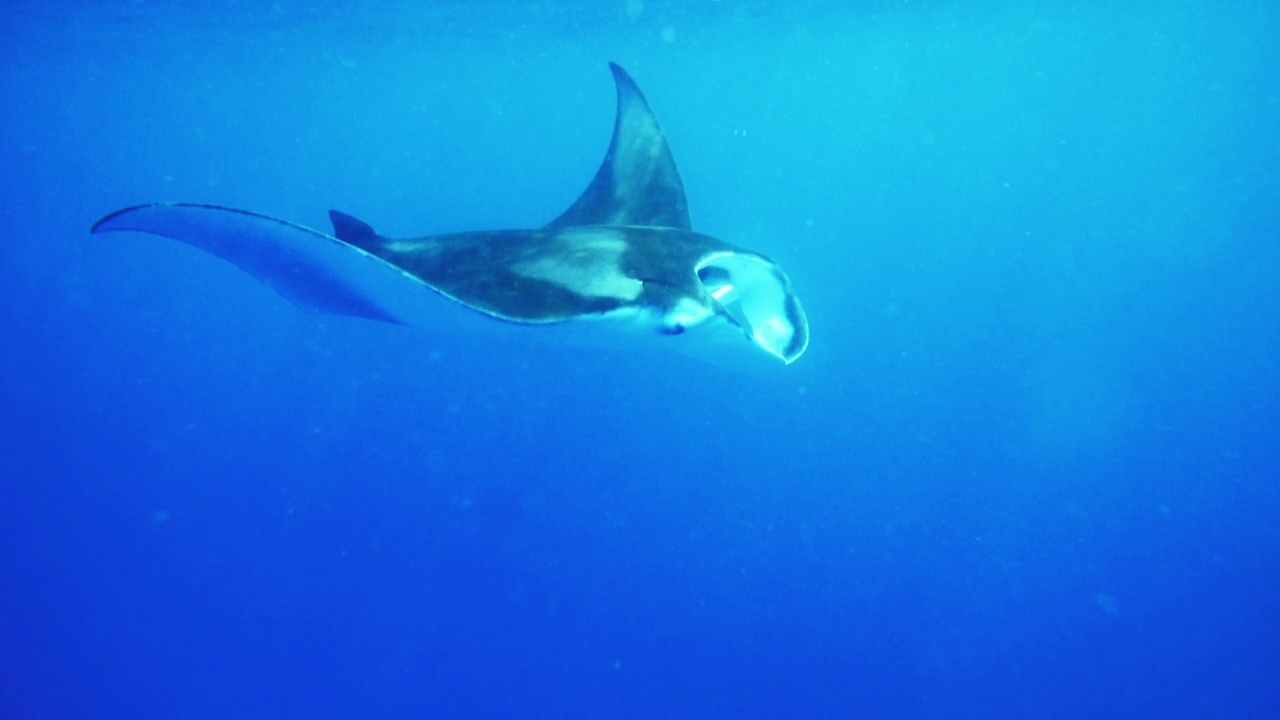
1028, 467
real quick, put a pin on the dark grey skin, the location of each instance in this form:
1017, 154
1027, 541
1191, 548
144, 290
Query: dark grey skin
476, 268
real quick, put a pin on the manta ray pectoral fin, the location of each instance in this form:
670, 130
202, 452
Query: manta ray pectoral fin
312, 270
637, 184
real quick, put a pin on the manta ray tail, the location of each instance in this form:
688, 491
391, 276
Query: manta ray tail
353, 231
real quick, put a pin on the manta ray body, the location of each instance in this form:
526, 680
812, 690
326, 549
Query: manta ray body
624, 250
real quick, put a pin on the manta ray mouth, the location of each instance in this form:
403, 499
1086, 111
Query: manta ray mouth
754, 294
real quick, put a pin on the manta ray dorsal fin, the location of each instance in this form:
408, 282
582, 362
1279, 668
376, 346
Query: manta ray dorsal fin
637, 184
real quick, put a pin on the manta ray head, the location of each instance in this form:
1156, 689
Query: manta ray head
751, 292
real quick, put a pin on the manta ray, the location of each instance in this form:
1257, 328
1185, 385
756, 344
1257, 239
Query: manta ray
623, 252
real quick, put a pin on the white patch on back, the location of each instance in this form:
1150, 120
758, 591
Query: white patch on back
406, 246
585, 261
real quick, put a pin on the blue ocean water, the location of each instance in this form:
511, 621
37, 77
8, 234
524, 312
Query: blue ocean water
1027, 468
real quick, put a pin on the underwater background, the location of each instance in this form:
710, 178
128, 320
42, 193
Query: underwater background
1027, 468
